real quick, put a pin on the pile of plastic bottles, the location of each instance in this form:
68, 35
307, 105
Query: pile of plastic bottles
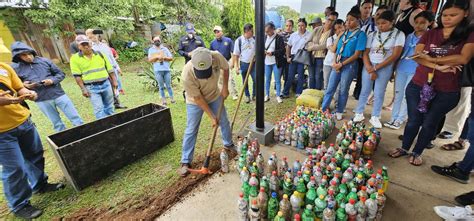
304, 127
334, 182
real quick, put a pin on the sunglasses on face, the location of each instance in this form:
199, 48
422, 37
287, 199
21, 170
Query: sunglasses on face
84, 44
216, 31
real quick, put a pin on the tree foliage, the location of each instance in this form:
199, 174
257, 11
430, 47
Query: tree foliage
288, 12
235, 15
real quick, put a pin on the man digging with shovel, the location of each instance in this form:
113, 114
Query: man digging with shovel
201, 77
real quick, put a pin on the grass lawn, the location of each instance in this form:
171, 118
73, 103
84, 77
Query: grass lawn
148, 176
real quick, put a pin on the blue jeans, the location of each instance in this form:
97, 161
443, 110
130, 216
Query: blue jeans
21, 157
119, 80
194, 116
316, 79
345, 78
383, 76
467, 164
268, 79
399, 111
102, 99
243, 72
50, 109
294, 68
441, 104
164, 77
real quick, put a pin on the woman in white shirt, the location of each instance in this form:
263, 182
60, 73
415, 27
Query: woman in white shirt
338, 29
383, 49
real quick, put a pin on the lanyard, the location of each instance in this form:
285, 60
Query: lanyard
382, 43
345, 40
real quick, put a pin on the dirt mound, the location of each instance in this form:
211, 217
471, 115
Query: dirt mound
151, 207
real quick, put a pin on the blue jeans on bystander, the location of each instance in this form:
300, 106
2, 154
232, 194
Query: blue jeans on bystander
22, 161
268, 79
50, 109
345, 77
102, 99
164, 78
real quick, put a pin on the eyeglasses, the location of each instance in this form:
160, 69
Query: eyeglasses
85, 44
216, 31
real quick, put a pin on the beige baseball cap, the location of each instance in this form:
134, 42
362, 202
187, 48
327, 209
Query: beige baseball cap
217, 28
201, 59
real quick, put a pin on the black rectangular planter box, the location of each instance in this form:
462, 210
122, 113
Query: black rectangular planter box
91, 152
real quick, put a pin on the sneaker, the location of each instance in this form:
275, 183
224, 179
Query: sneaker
452, 172
119, 106
183, 171
173, 100
375, 121
279, 100
338, 116
253, 98
358, 117
388, 123
235, 97
430, 145
267, 98
285, 96
28, 212
297, 95
465, 199
395, 125
51, 187
454, 213
247, 100
163, 101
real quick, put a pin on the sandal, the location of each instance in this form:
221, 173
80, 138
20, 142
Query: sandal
415, 159
457, 145
399, 152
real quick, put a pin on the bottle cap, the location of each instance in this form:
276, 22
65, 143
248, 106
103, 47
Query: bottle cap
285, 196
262, 189
241, 195
321, 196
274, 195
254, 202
297, 216
274, 173
380, 191
280, 213
352, 201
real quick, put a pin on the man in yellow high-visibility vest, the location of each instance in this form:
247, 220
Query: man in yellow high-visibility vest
95, 76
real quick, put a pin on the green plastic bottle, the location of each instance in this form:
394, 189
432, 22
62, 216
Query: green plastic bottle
341, 213
246, 190
310, 196
320, 204
272, 206
279, 216
340, 198
301, 188
322, 190
352, 195
288, 187
308, 214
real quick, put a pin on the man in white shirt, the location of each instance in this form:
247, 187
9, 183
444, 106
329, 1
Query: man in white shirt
244, 53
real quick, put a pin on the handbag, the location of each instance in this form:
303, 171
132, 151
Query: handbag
303, 56
467, 78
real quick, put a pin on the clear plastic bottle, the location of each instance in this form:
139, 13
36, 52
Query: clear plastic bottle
351, 211
274, 182
371, 204
329, 214
262, 200
243, 208
285, 207
361, 209
224, 161
295, 203
254, 212
380, 203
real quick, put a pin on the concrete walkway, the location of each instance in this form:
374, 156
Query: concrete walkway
411, 195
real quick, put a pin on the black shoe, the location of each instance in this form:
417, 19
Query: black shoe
28, 212
430, 145
465, 199
51, 187
452, 172
119, 106
400, 137
445, 135
285, 96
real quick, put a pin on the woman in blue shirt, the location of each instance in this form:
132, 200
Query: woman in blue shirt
406, 69
160, 56
350, 46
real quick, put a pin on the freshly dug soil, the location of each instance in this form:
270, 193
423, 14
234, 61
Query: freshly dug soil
151, 207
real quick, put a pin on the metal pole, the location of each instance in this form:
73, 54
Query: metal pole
259, 59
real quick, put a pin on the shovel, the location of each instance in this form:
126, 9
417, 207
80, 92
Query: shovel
205, 168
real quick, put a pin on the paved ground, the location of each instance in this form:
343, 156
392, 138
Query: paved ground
412, 193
